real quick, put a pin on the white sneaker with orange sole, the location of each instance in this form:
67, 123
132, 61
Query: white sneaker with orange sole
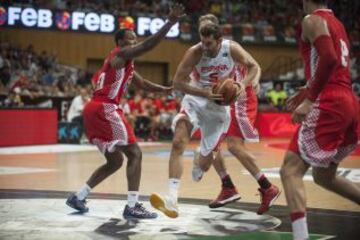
166, 204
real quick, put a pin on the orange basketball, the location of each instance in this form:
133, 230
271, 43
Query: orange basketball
228, 89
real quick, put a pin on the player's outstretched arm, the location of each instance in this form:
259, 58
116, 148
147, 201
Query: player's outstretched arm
147, 85
149, 43
240, 55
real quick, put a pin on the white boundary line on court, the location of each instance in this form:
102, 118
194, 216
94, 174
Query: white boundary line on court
59, 148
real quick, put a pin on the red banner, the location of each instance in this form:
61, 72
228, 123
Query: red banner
27, 127
275, 124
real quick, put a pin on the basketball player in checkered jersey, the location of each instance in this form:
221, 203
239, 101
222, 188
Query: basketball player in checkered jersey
105, 123
327, 110
209, 61
242, 128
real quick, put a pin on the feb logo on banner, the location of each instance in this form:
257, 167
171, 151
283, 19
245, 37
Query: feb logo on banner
3, 16
63, 20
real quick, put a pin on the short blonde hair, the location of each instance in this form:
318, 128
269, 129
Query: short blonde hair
209, 17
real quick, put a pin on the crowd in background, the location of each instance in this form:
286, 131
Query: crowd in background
24, 72
280, 15
150, 114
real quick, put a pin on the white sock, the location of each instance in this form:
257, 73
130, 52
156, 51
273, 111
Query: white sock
259, 175
83, 192
174, 185
132, 198
300, 230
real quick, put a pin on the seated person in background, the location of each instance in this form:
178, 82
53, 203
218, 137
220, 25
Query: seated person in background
277, 97
165, 108
13, 100
77, 106
125, 106
140, 107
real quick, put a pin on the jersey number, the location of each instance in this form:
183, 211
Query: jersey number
100, 82
344, 54
214, 77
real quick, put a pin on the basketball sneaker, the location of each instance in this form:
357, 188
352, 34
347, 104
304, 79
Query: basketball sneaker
77, 204
227, 195
138, 211
166, 204
196, 172
268, 197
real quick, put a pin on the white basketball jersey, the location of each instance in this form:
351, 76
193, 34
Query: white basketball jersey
210, 70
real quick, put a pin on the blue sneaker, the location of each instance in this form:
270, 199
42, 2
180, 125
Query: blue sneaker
77, 204
138, 211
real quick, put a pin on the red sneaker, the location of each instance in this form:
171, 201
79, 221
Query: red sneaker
268, 197
227, 195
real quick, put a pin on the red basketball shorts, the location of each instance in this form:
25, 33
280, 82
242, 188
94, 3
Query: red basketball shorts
243, 117
329, 132
106, 126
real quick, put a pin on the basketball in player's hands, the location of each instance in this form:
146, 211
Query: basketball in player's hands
228, 88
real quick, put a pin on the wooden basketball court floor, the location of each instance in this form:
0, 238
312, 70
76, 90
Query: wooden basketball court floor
30, 177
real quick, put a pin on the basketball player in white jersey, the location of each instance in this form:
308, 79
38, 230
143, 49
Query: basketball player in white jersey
242, 128
209, 61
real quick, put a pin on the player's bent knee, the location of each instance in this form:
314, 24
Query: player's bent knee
205, 165
114, 161
322, 178
115, 165
287, 170
232, 144
205, 162
137, 155
179, 144
134, 155
232, 148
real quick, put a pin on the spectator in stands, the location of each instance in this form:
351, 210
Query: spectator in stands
135, 104
2, 59
158, 103
18, 80
5, 77
13, 100
356, 88
48, 77
43, 61
77, 106
124, 105
84, 77
277, 97
39, 73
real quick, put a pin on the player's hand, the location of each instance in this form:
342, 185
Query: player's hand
176, 12
293, 102
302, 111
214, 96
240, 89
